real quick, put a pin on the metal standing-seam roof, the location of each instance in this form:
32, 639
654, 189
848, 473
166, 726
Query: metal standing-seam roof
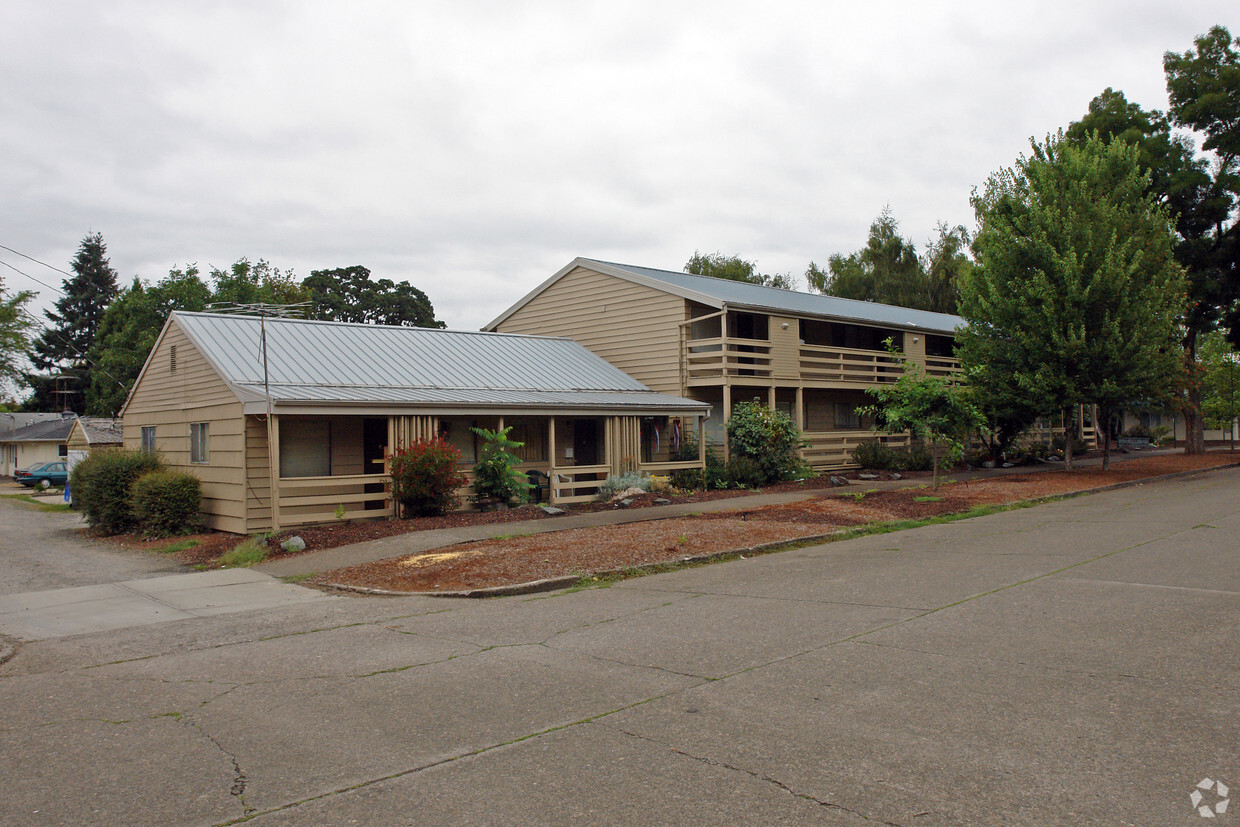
718, 292
336, 362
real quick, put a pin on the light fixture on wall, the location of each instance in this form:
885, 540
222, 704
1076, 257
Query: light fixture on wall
784, 325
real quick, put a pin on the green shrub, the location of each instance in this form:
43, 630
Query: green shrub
166, 503
689, 479
496, 475
1079, 446
425, 477
768, 437
873, 454
746, 472
615, 483
101, 486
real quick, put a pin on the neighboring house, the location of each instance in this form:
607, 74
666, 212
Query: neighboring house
43, 441
89, 433
721, 342
342, 396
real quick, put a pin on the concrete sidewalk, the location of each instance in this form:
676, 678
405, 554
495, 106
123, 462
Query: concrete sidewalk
419, 541
85, 609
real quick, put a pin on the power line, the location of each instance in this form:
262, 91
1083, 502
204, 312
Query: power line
32, 278
36, 261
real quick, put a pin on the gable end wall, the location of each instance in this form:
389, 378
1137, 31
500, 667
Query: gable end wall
636, 328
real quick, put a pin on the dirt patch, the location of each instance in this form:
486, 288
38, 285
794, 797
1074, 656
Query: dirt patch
589, 551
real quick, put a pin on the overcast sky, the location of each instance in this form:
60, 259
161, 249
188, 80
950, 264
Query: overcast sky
475, 148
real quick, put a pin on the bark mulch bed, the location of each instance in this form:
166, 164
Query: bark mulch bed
591, 551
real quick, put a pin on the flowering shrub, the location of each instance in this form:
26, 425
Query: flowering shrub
425, 477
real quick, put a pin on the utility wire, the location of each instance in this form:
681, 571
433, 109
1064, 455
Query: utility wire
32, 278
36, 261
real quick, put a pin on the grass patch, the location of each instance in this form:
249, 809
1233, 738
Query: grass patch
42, 505
178, 545
248, 552
926, 499
294, 579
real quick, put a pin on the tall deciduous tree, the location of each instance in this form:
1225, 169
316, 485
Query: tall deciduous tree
888, 269
346, 294
1076, 291
15, 325
72, 326
735, 268
128, 331
247, 282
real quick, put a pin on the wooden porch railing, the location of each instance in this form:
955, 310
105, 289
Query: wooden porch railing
828, 450
305, 500
577, 483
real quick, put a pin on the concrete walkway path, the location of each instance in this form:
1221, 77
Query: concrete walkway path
419, 541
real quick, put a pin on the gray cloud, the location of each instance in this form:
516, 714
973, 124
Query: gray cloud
473, 148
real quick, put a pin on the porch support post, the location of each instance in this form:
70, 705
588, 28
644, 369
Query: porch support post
727, 414
551, 489
273, 461
770, 397
798, 415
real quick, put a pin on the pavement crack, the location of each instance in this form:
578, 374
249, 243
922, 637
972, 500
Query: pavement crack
239, 781
754, 774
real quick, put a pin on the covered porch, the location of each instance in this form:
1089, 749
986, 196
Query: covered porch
333, 466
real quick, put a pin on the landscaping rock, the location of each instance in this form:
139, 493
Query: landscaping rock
896, 476
662, 501
552, 511
293, 544
990, 463
840, 481
626, 502
867, 476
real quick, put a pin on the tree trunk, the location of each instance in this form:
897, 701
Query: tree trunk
1194, 428
1104, 419
1068, 433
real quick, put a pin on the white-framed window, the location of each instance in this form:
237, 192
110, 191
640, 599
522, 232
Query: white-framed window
148, 438
199, 442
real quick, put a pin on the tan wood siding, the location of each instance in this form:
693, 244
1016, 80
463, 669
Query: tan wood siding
257, 472
636, 328
785, 347
171, 400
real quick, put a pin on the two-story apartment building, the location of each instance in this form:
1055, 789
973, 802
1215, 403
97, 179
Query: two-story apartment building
722, 342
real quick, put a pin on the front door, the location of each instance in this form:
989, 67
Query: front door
374, 446
585, 442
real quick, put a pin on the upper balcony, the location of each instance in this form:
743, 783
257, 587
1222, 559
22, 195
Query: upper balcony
771, 350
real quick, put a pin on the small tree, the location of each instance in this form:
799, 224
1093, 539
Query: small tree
932, 409
496, 475
426, 476
1220, 393
768, 437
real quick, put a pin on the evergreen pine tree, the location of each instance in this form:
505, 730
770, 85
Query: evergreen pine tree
71, 327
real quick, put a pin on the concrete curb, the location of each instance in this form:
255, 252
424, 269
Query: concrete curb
8, 648
554, 583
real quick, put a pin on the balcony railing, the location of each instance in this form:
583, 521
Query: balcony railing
840, 364
942, 366
577, 483
723, 357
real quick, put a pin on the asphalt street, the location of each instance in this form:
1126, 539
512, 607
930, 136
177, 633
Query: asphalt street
1074, 662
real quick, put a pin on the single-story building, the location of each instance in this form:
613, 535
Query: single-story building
221, 395
44, 440
90, 433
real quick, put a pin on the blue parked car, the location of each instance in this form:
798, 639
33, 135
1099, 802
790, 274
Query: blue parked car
43, 475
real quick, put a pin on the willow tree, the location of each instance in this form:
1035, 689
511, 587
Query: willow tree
1076, 291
